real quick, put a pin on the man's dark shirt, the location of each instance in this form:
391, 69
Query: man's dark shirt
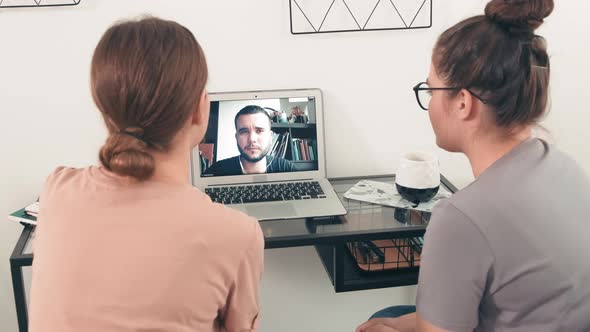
231, 166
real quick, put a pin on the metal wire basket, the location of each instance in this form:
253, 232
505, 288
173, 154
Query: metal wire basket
386, 255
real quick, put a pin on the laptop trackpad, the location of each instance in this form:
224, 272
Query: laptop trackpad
272, 211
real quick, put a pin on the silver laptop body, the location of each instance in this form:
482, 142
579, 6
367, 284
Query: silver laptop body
299, 140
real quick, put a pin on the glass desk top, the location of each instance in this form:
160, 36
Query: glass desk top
363, 221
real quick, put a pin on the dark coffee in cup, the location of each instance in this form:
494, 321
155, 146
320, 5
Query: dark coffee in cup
417, 195
417, 178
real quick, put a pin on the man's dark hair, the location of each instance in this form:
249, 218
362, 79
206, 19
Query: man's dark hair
251, 109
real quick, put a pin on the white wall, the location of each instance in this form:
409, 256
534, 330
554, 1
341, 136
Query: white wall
371, 114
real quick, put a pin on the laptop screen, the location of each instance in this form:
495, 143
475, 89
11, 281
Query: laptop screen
260, 136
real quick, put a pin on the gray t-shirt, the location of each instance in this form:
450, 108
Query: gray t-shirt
510, 251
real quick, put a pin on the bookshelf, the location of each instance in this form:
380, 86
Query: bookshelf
293, 126
305, 132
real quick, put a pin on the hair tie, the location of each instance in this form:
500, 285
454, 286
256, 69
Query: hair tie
134, 132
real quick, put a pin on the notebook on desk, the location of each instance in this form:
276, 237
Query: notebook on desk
264, 154
23, 217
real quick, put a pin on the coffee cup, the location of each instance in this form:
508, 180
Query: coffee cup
418, 177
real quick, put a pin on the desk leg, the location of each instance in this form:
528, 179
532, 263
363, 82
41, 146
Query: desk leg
20, 300
339, 266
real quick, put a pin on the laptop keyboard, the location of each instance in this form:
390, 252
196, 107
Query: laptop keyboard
266, 192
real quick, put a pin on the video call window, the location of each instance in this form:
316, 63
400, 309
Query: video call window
260, 136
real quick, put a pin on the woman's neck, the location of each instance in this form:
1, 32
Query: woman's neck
483, 152
173, 166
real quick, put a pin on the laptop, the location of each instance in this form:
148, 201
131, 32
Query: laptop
263, 154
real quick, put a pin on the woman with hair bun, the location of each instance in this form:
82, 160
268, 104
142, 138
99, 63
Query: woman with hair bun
503, 254
130, 245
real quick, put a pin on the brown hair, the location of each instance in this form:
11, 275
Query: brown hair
251, 109
147, 78
499, 55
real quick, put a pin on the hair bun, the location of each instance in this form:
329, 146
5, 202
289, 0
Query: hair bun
519, 16
126, 155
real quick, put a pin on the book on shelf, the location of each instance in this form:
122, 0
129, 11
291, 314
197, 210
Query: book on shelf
275, 139
297, 149
279, 145
287, 140
303, 149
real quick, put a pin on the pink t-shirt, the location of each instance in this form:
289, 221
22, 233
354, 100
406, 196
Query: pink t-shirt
114, 254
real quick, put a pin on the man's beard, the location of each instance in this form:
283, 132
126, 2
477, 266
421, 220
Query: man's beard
246, 157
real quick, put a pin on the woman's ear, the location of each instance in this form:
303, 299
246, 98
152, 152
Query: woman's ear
201, 114
464, 105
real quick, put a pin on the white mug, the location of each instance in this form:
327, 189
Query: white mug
418, 177
283, 118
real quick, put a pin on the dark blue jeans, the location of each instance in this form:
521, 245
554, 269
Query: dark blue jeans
393, 312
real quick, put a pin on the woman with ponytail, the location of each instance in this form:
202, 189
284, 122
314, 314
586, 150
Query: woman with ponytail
503, 254
130, 245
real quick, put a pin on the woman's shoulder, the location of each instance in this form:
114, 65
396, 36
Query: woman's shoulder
62, 182
218, 217
62, 175
76, 178
65, 172
231, 230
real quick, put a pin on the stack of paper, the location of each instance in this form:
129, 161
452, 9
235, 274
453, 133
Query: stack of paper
386, 194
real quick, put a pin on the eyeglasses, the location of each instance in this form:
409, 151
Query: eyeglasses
424, 94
